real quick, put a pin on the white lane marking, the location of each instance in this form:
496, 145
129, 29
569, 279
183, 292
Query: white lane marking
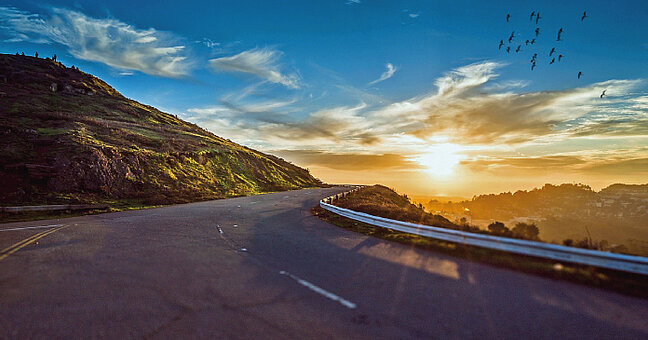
243, 249
36, 227
321, 291
236, 226
219, 229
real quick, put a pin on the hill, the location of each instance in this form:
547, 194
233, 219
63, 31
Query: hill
617, 214
67, 136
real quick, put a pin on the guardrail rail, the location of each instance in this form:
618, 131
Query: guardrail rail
622, 262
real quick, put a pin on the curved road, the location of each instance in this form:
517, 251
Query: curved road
263, 266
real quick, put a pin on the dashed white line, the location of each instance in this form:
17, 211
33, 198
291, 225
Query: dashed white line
36, 227
321, 291
219, 229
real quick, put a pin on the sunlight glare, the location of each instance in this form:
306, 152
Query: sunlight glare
440, 159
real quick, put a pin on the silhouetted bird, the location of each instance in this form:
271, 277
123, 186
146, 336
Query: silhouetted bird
560, 56
511, 37
538, 17
532, 15
559, 32
552, 61
508, 49
500, 44
533, 59
553, 49
532, 41
603, 94
508, 16
526, 42
533, 66
36, 55
54, 58
579, 74
584, 16
518, 49
537, 31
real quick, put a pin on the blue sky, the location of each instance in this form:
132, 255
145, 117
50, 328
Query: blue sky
407, 91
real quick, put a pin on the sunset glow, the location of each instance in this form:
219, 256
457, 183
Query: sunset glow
418, 96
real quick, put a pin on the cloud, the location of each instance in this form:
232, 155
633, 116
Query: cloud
348, 161
542, 163
387, 74
259, 62
208, 43
620, 166
487, 120
467, 109
107, 41
351, 2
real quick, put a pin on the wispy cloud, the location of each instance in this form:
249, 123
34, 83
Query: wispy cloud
351, 2
260, 62
468, 108
107, 41
389, 72
349, 161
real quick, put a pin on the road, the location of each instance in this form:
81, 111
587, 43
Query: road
264, 267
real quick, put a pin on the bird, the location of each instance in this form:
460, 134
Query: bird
584, 16
526, 42
533, 59
559, 32
508, 49
532, 15
508, 16
603, 94
580, 74
552, 61
518, 49
537, 31
532, 41
537, 17
553, 49
511, 37
500, 44
533, 66
560, 56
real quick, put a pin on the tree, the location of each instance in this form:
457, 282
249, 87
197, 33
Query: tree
498, 228
526, 231
54, 58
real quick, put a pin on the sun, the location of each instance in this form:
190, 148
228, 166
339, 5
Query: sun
440, 160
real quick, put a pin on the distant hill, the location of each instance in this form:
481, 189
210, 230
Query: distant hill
67, 136
618, 213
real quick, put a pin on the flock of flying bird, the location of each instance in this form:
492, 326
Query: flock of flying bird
532, 41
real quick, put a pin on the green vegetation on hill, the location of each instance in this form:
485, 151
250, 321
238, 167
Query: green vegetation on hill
614, 219
67, 137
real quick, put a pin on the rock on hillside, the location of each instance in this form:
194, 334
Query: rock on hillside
67, 136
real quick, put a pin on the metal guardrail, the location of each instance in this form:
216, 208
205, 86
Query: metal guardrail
627, 263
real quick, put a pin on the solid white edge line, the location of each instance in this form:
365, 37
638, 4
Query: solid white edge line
321, 291
36, 227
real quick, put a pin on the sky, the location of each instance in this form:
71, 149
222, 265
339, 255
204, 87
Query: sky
416, 95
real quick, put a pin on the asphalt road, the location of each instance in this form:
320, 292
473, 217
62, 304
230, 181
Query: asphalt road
264, 267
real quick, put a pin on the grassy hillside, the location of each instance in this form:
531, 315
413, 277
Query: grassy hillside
381, 201
67, 136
